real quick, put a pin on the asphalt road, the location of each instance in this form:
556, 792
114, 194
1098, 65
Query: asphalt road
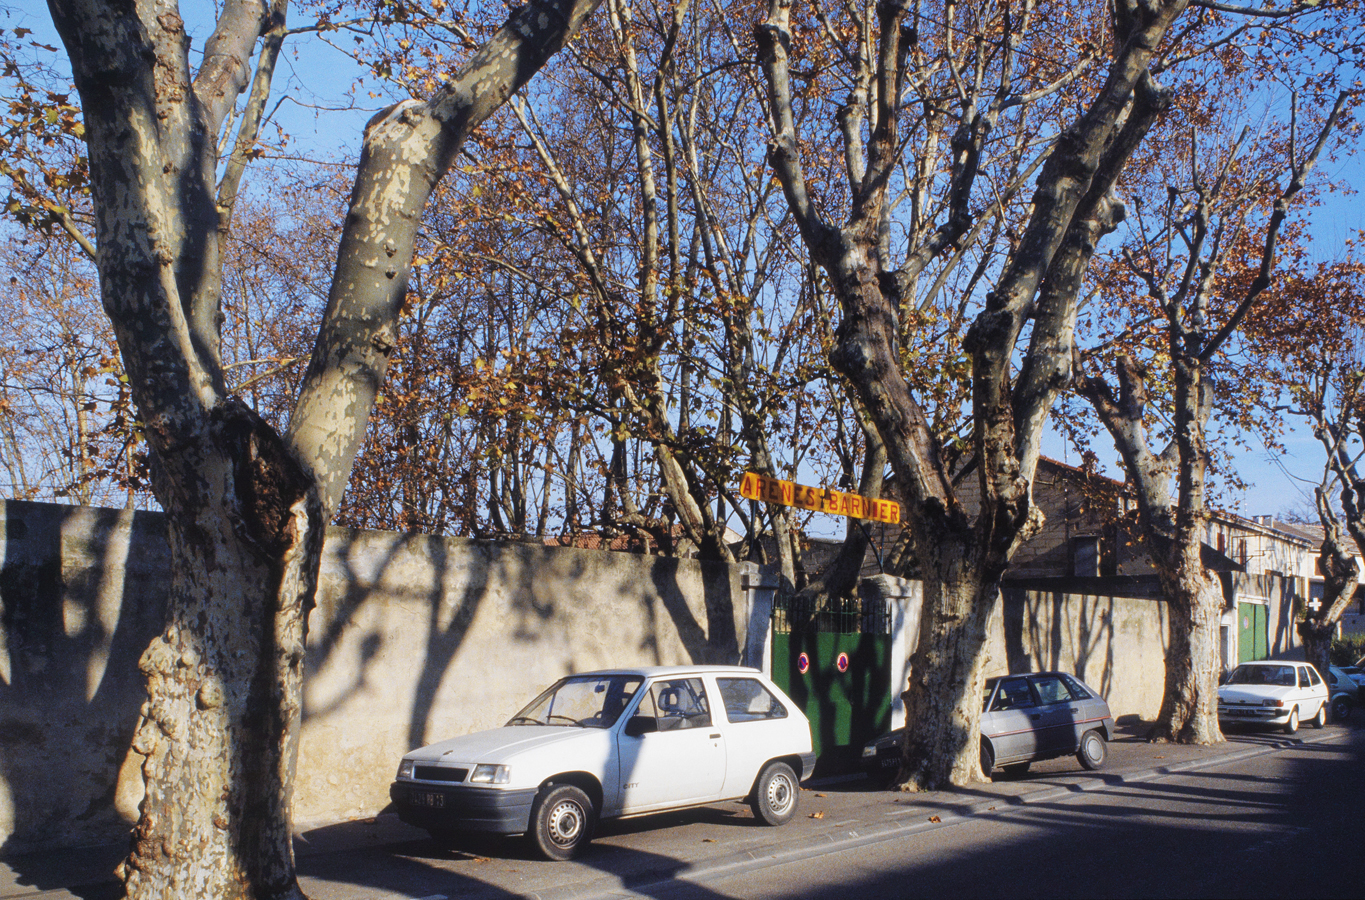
1286, 824
1262, 815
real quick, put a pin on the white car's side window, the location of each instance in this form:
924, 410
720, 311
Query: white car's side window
746, 700
677, 704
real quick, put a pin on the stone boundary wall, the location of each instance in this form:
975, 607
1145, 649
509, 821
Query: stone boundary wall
1117, 645
414, 639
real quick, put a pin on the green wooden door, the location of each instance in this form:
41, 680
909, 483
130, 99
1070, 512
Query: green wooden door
843, 684
1253, 632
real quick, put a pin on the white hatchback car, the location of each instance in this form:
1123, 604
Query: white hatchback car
1273, 693
614, 743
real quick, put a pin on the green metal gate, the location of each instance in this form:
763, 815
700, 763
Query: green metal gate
833, 660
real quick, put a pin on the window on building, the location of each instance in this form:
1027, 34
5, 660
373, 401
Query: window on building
1085, 556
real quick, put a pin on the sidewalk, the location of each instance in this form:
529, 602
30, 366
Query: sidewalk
842, 812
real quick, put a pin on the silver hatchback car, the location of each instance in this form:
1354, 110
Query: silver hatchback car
1024, 718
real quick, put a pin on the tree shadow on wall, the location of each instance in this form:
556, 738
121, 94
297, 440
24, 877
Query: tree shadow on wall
363, 567
1040, 625
70, 690
715, 640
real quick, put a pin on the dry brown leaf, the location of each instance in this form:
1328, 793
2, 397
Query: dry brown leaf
817, 815
935, 819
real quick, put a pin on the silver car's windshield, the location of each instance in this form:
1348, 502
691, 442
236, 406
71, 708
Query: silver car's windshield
1275, 675
584, 701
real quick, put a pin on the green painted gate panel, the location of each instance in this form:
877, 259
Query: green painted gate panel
846, 709
1253, 632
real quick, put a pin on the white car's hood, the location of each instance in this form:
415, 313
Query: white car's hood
1252, 693
500, 745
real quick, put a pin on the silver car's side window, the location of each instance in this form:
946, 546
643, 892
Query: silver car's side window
1014, 693
1051, 690
677, 704
1078, 690
746, 700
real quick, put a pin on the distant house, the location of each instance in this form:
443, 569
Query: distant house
1091, 545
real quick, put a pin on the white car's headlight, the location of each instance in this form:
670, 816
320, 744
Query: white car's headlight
484, 774
405, 768
869, 750
1269, 702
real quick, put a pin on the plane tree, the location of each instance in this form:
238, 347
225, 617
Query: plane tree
1195, 264
981, 149
246, 503
1308, 337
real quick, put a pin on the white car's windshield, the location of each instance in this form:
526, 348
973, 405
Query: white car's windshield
585, 701
1273, 675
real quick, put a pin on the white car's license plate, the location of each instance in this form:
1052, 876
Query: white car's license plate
428, 798
1241, 712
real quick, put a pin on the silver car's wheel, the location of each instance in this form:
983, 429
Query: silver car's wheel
776, 794
1321, 718
1293, 724
1092, 752
562, 820
1341, 708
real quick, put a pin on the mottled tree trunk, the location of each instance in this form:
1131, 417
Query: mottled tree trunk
219, 732
946, 678
1339, 568
1189, 705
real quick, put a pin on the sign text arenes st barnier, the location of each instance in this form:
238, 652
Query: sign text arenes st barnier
775, 490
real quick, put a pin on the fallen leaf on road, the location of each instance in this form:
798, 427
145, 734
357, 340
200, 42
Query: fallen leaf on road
482, 859
820, 795
708, 840
935, 819
817, 815
1161, 757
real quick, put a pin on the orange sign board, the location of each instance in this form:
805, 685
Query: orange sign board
826, 500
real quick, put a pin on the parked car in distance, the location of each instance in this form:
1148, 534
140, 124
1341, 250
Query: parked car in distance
1356, 674
1345, 693
1277, 693
1024, 719
621, 742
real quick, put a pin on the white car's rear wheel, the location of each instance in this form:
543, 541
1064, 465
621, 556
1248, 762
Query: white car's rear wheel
776, 794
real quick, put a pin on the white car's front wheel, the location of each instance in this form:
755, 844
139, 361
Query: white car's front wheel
562, 820
1293, 724
1321, 718
776, 794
